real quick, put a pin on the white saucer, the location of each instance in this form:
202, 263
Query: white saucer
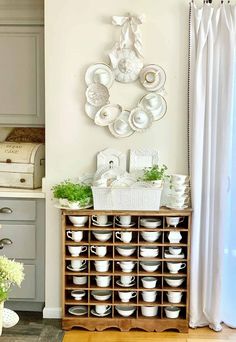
125, 225
100, 315
172, 256
108, 224
122, 285
78, 310
76, 269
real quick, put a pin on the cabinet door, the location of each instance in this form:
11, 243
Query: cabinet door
22, 75
27, 289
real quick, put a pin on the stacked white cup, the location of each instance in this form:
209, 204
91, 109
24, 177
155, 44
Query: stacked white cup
179, 192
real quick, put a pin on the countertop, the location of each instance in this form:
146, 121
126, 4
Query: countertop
21, 193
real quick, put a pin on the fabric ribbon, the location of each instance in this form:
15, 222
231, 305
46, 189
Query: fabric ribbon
130, 31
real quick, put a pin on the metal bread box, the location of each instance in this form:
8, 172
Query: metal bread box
22, 165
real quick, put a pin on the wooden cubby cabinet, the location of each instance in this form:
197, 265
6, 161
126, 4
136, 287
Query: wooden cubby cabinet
156, 323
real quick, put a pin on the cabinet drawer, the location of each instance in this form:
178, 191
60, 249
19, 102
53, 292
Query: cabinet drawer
23, 238
21, 210
17, 180
27, 289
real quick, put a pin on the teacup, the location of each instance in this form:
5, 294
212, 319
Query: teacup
179, 179
174, 267
80, 280
77, 264
127, 280
102, 309
174, 250
100, 220
126, 266
174, 221
172, 311
150, 236
174, 296
152, 100
103, 281
149, 296
174, 237
179, 201
76, 250
125, 296
125, 237
100, 251
123, 220
75, 235
149, 282
100, 76
102, 265
149, 311
78, 221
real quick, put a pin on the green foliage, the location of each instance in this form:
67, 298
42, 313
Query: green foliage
156, 172
73, 192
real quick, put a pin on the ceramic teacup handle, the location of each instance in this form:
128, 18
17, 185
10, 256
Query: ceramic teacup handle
94, 219
93, 249
108, 308
69, 234
181, 220
83, 249
134, 294
118, 236
182, 266
83, 263
117, 219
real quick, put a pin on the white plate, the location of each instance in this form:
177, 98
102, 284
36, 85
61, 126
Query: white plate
154, 83
91, 111
125, 225
97, 95
77, 269
96, 69
107, 114
100, 315
172, 256
58, 206
121, 128
108, 224
158, 110
122, 285
79, 310
105, 157
140, 119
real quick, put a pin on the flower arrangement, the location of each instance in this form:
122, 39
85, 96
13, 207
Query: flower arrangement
11, 273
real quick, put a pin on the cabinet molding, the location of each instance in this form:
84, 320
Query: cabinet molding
21, 12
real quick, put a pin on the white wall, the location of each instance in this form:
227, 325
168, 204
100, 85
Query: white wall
79, 33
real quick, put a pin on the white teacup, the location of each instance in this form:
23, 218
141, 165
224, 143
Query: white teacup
102, 309
77, 264
149, 296
123, 220
174, 267
174, 296
75, 235
100, 251
125, 237
103, 281
179, 179
174, 250
102, 265
150, 236
152, 100
100, 76
174, 221
149, 311
80, 280
179, 201
78, 220
100, 220
127, 280
76, 250
125, 296
126, 266
149, 282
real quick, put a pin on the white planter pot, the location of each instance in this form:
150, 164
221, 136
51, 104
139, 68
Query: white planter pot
157, 183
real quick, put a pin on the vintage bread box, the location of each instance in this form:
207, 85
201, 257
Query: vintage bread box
22, 165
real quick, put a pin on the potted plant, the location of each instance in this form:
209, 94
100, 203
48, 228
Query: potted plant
11, 273
72, 195
155, 174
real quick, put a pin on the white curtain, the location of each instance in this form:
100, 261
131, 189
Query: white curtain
212, 163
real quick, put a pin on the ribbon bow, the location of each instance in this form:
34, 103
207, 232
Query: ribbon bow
130, 31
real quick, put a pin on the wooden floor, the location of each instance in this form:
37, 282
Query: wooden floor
194, 335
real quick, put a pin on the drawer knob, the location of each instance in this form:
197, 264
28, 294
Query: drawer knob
22, 180
6, 210
4, 242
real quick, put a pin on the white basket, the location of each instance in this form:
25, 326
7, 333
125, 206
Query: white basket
126, 198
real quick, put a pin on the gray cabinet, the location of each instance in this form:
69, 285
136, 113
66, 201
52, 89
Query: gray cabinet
22, 221
22, 75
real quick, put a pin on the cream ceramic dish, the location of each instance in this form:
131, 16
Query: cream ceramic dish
174, 281
97, 94
150, 222
90, 110
78, 294
125, 311
125, 250
157, 108
121, 128
107, 114
150, 266
140, 120
152, 77
172, 311
99, 73
101, 295
102, 235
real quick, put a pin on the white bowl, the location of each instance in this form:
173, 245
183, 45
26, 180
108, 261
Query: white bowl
150, 236
125, 250
174, 299
102, 235
101, 295
78, 220
78, 294
149, 251
149, 311
150, 266
150, 222
149, 282
174, 281
174, 250
125, 311
172, 311
80, 280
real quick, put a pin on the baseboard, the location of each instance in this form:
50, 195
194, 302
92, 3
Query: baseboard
52, 312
